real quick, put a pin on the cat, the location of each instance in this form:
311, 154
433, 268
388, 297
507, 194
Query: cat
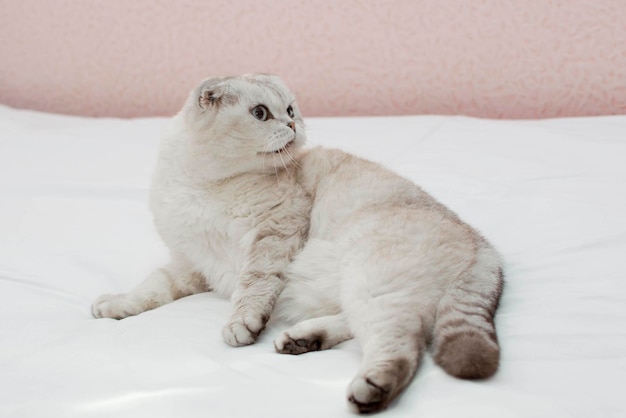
339, 246
226, 203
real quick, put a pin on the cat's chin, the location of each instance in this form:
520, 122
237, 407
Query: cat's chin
287, 147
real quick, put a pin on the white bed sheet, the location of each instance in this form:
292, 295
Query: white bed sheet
74, 223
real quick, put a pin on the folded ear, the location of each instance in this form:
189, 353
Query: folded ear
216, 92
207, 98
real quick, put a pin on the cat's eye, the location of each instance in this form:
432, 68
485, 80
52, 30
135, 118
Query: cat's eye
290, 111
260, 112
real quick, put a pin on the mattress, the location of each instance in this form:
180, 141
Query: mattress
74, 224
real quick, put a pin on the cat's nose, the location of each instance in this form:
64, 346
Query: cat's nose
292, 125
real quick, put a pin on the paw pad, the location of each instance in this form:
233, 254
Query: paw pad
285, 344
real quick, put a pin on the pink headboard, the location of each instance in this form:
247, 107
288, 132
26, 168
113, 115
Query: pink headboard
491, 58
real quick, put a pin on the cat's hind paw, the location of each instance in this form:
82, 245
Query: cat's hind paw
285, 344
365, 396
373, 390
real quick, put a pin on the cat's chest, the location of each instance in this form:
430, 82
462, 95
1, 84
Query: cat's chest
212, 232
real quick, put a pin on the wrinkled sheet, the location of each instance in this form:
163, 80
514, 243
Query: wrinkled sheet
74, 223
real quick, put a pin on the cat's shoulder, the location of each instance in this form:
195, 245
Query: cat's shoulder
319, 161
324, 154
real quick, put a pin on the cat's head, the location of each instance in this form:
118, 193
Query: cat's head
248, 123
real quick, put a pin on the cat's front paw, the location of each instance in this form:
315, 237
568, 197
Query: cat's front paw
113, 306
244, 331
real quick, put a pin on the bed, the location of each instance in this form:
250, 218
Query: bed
74, 224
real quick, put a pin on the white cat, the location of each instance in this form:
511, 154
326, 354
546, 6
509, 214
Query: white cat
337, 245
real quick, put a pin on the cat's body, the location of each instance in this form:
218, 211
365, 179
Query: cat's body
214, 224
388, 264
337, 245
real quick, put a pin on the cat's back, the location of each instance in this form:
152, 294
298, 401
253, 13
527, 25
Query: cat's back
325, 170
344, 186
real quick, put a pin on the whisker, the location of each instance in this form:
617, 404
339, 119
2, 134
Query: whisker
293, 160
275, 168
266, 150
263, 165
294, 164
280, 154
276, 172
284, 165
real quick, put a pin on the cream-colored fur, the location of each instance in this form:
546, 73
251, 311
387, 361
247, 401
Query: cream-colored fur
389, 265
337, 245
226, 204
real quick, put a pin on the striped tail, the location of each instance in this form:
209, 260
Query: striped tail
464, 339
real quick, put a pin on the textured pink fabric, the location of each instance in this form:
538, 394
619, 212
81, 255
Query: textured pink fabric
497, 58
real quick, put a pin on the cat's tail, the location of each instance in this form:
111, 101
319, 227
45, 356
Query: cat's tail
464, 338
